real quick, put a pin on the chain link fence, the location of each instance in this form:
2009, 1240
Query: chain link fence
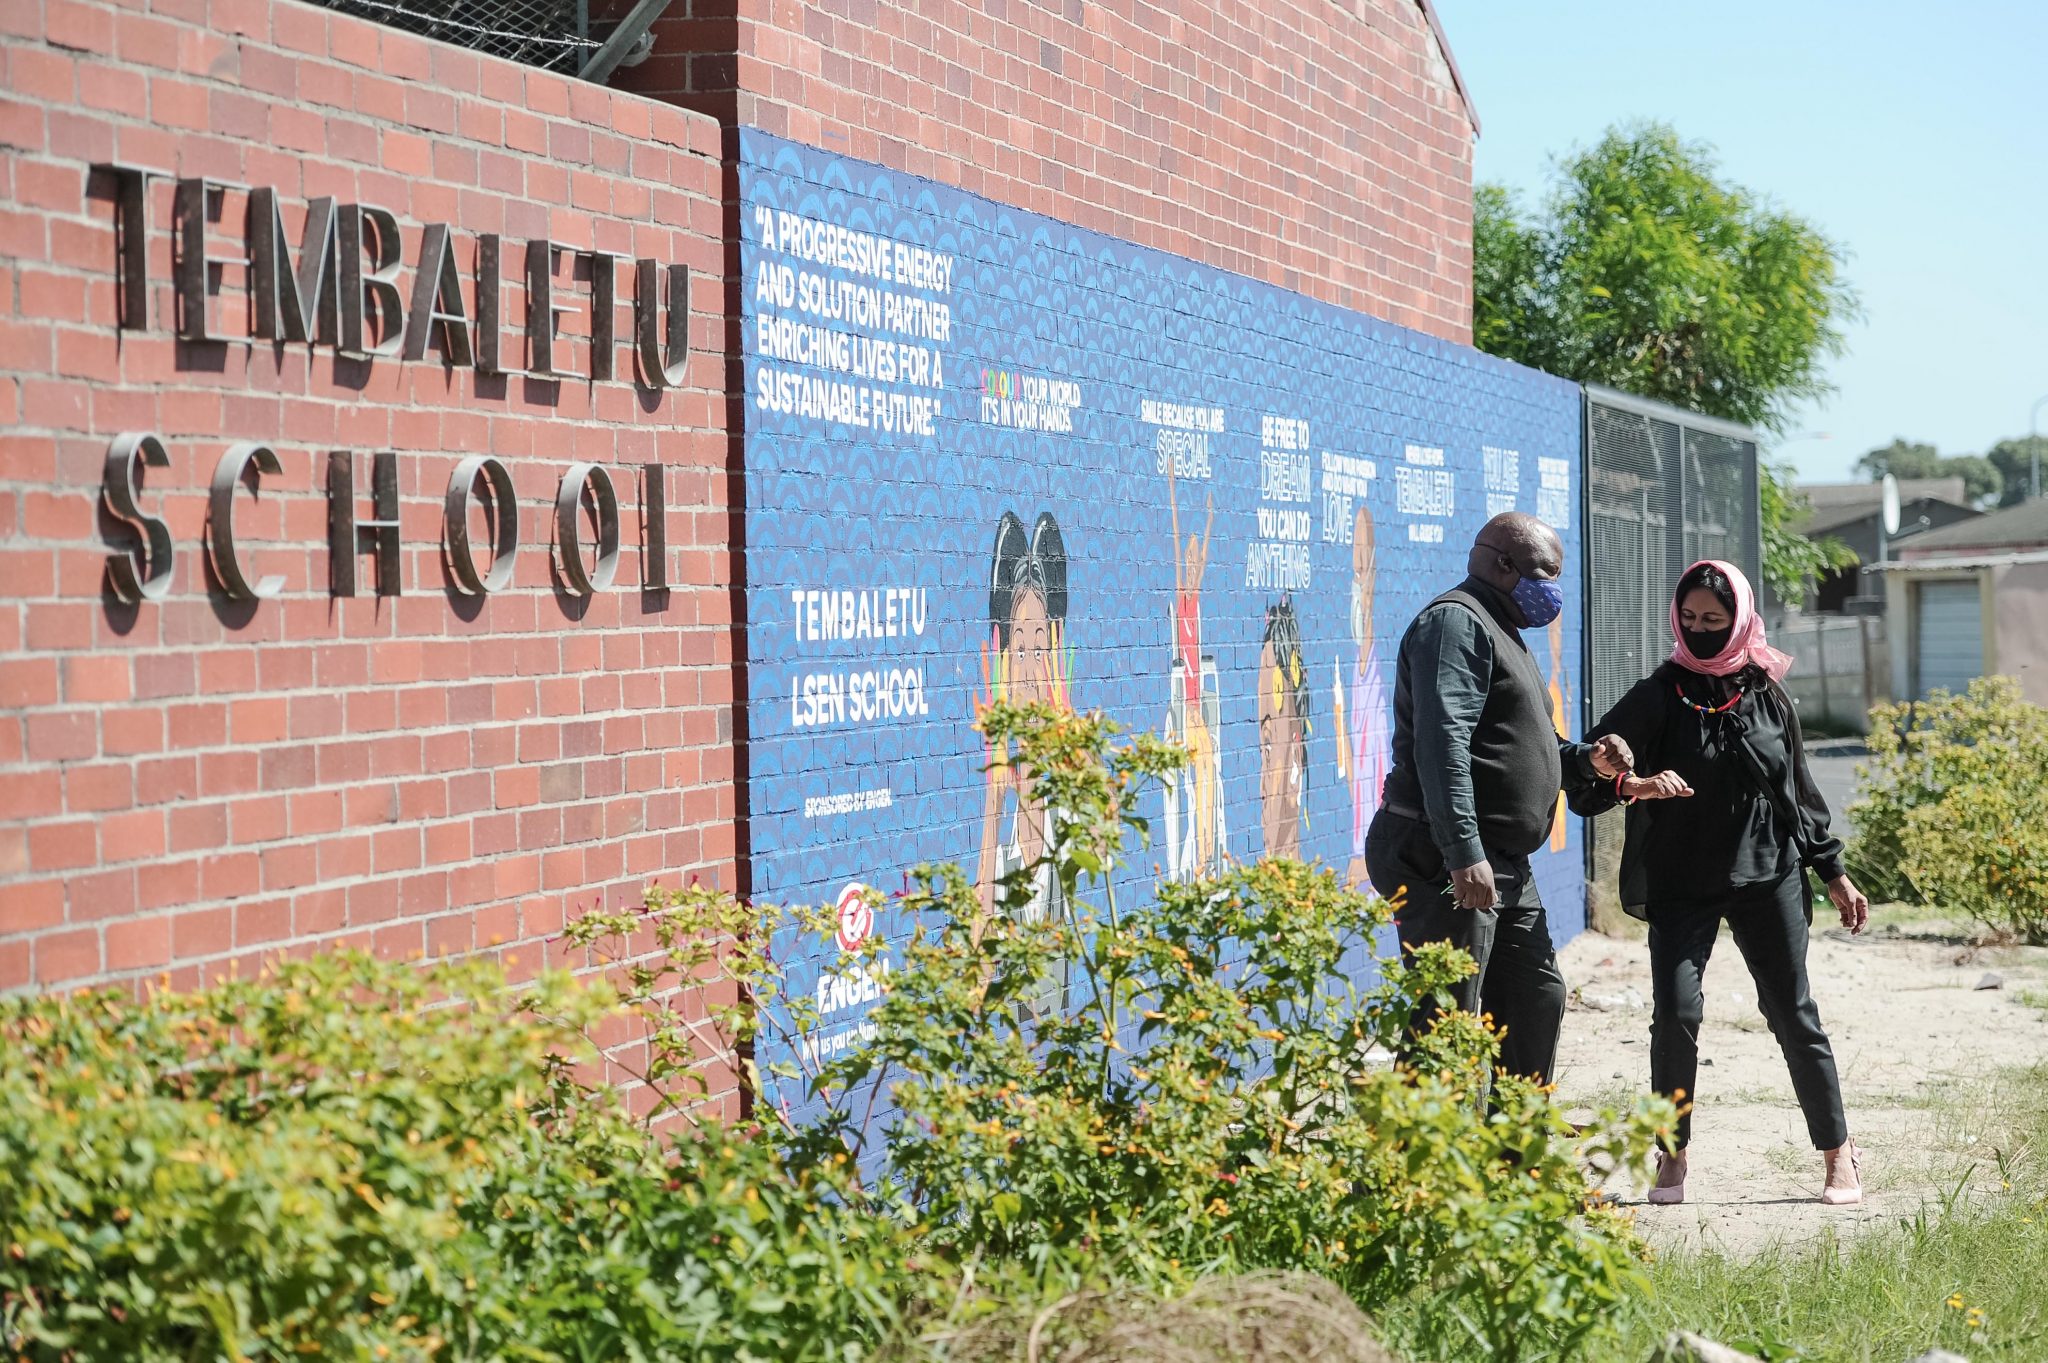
1664, 489
554, 35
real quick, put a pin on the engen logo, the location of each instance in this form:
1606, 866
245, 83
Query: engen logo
856, 917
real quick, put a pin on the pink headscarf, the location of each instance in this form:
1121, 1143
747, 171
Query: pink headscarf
1746, 642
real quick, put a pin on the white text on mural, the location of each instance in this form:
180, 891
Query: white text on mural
1554, 492
1277, 559
863, 346
858, 695
1345, 480
1183, 439
1503, 470
1029, 402
1424, 487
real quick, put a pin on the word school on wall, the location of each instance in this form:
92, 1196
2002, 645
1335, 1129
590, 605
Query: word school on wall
141, 571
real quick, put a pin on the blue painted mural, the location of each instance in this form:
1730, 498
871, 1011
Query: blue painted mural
990, 455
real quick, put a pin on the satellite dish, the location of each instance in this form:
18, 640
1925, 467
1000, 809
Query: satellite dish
1891, 505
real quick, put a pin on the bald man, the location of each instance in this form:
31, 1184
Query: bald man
1477, 767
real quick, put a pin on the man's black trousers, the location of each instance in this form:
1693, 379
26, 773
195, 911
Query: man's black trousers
1768, 923
1518, 981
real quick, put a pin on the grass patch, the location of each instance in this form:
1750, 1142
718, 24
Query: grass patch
1963, 1273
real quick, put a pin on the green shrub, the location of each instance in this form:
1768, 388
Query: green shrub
360, 1160
1956, 792
332, 1161
1208, 1101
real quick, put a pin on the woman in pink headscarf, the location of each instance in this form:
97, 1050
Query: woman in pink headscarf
1727, 831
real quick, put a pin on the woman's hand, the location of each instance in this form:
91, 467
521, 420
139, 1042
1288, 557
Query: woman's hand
1850, 903
1665, 785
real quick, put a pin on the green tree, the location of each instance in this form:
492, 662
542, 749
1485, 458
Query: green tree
1983, 482
1646, 271
1983, 479
2014, 460
1792, 561
1901, 459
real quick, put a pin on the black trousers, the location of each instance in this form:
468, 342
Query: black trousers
1518, 980
1768, 923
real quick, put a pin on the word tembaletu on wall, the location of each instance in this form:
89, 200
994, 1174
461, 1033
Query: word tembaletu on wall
343, 291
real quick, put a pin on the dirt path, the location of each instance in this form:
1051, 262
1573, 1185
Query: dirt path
1912, 1034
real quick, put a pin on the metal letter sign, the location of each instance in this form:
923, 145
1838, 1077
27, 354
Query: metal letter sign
195, 265
437, 300
369, 298
341, 289
654, 528
142, 573
226, 564
543, 314
292, 305
504, 525
664, 351
344, 530
569, 529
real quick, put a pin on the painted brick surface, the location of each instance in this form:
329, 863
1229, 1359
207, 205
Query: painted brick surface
194, 782
1322, 147
977, 441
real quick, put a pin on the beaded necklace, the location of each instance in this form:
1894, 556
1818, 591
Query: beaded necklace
1693, 705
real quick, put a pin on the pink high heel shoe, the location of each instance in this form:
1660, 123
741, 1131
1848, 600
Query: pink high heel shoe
1669, 1191
1851, 1194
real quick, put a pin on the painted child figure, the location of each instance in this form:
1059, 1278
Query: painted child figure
1364, 716
1188, 569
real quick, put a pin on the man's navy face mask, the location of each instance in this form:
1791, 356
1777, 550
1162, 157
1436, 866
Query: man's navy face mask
1540, 601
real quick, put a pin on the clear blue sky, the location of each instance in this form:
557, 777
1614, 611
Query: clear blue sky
1914, 135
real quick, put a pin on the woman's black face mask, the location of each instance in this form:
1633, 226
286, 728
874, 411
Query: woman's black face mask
1707, 643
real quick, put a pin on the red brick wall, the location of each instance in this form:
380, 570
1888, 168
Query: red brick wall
1320, 146
191, 783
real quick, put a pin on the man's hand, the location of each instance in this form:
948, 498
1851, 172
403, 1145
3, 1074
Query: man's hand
1472, 887
1612, 756
1850, 903
1665, 785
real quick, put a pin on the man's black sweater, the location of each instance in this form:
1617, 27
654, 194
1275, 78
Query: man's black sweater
1475, 754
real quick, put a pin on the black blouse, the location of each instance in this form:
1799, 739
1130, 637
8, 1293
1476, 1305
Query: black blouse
1754, 816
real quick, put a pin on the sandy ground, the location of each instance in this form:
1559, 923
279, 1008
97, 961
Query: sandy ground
1915, 1040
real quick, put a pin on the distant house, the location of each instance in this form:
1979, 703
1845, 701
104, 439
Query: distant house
1974, 601
1852, 513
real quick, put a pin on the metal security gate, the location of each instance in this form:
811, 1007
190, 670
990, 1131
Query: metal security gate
1664, 488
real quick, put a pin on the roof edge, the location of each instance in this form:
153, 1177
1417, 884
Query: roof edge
1443, 44
1938, 564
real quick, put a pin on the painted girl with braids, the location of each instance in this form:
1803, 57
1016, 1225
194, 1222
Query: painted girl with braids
1023, 662
1283, 730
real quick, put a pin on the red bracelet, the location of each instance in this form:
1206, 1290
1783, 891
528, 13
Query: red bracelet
1618, 779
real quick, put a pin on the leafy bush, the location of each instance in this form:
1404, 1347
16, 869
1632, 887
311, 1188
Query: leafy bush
1209, 1099
1956, 801
334, 1161
361, 1160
